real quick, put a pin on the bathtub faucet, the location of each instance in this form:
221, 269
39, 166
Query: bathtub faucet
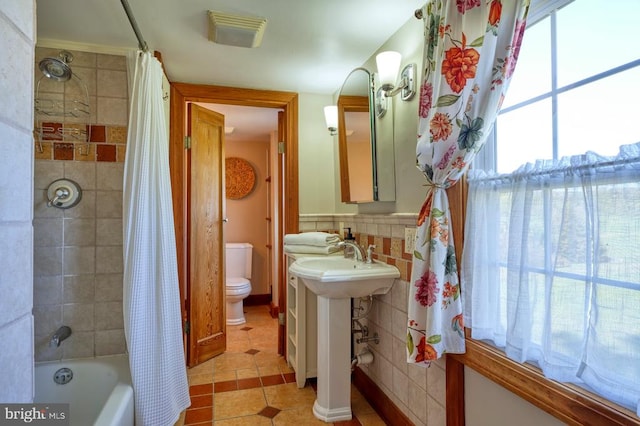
60, 334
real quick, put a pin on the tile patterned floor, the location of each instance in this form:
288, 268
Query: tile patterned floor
250, 384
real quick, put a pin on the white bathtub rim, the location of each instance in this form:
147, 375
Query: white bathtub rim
120, 402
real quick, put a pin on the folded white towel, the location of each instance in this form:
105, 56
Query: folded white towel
312, 239
301, 248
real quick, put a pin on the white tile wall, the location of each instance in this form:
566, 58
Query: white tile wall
419, 392
17, 40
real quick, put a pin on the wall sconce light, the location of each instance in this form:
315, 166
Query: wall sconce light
381, 103
331, 118
388, 64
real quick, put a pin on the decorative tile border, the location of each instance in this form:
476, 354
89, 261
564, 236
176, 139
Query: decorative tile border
386, 232
106, 143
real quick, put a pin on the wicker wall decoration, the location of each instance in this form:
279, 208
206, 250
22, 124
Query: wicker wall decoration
240, 178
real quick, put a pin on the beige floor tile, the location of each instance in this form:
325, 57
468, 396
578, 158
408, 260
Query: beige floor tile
244, 421
264, 347
247, 373
264, 329
224, 376
371, 420
233, 361
237, 336
200, 379
285, 368
239, 346
288, 396
297, 416
237, 408
268, 359
238, 403
204, 368
269, 370
359, 405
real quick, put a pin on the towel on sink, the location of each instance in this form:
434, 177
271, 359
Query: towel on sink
320, 239
303, 248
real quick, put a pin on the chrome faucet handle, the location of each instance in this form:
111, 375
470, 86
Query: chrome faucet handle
370, 252
359, 252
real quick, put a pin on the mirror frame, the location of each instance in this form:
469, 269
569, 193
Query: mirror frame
351, 103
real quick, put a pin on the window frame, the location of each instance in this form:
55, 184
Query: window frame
541, 10
568, 403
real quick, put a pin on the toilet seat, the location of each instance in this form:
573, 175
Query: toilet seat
237, 282
237, 288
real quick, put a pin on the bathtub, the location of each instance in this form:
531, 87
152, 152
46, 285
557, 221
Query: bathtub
99, 394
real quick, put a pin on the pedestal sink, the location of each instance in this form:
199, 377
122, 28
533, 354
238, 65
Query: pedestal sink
335, 280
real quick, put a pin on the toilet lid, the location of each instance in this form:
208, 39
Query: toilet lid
237, 282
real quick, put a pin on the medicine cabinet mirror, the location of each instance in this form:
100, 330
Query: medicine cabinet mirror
359, 147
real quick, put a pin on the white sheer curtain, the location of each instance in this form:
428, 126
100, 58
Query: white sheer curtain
551, 269
151, 294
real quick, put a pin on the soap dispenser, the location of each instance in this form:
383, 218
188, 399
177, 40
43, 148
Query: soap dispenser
349, 251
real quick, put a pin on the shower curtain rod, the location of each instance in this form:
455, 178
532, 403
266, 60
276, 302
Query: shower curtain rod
141, 43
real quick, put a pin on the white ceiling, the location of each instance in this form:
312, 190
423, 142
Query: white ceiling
309, 46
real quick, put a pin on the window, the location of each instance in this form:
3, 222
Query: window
578, 74
551, 264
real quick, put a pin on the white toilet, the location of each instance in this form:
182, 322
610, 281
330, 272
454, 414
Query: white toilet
238, 286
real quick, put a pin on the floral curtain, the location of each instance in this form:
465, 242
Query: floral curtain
471, 49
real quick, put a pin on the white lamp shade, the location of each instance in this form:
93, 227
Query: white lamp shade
388, 64
331, 116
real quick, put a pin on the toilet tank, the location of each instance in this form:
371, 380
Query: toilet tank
238, 260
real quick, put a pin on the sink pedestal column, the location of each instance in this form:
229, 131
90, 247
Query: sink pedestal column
333, 401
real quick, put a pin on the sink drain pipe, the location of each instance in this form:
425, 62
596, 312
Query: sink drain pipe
364, 357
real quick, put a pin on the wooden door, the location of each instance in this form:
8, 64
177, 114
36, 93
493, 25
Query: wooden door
205, 235
182, 94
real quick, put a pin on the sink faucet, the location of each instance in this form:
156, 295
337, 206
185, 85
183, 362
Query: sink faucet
360, 254
370, 253
60, 334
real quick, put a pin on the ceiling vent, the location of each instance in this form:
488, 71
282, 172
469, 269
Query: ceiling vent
236, 30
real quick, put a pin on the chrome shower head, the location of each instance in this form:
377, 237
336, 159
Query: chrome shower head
57, 69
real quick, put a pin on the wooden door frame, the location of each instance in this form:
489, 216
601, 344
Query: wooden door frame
183, 93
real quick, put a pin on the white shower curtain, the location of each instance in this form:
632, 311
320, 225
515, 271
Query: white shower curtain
151, 305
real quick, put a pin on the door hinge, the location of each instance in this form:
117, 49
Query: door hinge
280, 318
280, 147
187, 327
187, 142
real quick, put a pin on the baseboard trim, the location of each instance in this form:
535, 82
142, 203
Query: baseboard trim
386, 409
273, 310
257, 300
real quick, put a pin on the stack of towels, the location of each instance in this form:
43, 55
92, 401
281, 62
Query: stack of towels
311, 243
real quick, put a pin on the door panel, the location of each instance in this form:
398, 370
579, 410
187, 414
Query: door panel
282, 272
182, 94
205, 256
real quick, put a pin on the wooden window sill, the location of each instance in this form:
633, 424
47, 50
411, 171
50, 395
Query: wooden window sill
570, 404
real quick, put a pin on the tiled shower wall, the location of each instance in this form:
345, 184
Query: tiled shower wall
78, 251
419, 392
